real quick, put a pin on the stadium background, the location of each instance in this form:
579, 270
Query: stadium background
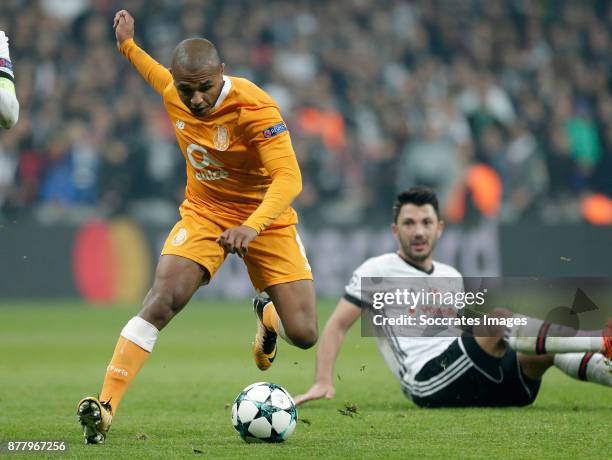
504, 107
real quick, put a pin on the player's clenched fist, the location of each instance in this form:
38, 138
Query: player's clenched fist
124, 26
236, 240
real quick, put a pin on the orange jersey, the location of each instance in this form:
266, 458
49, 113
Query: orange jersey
240, 161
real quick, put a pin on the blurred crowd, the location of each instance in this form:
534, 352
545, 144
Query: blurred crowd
504, 104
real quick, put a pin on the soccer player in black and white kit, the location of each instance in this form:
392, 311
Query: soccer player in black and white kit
9, 105
489, 367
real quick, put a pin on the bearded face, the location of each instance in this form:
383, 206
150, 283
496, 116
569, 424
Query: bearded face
417, 230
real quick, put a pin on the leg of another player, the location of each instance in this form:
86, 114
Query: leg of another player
295, 303
542, 337
176, 279
588, 367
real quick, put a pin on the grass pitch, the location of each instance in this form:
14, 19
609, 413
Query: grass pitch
53, 354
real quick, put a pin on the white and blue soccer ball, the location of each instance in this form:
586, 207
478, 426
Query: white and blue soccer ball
264, 412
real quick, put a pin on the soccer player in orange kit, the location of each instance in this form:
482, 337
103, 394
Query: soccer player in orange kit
242, 175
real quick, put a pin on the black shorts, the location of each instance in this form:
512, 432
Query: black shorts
464, 375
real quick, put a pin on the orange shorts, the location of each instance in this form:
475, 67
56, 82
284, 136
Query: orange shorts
275, 256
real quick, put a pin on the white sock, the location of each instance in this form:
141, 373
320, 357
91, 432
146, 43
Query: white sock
141, 332
541, 337
591, 367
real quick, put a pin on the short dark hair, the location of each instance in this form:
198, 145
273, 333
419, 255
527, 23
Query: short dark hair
419, 196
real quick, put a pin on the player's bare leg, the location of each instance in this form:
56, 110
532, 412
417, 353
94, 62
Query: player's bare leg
290, 313
176, 279
491, 338
535, 367
295, 303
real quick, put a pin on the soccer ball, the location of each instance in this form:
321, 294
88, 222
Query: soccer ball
264, 412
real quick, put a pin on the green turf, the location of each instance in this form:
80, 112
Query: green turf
51, 355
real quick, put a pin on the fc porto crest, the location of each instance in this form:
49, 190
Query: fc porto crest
221, 139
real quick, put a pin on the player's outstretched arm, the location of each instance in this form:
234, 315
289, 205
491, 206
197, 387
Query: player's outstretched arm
124, 26
267, 133
9, 105
341, 320
152, 71
285, 187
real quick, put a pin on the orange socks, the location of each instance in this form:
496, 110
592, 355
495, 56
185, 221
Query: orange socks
272, 321
135, 344
125, 364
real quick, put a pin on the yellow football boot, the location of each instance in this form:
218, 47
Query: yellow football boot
95, 417
264, 346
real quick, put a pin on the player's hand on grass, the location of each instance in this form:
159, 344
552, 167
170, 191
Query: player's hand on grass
124, 26
317, 391
236, 240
